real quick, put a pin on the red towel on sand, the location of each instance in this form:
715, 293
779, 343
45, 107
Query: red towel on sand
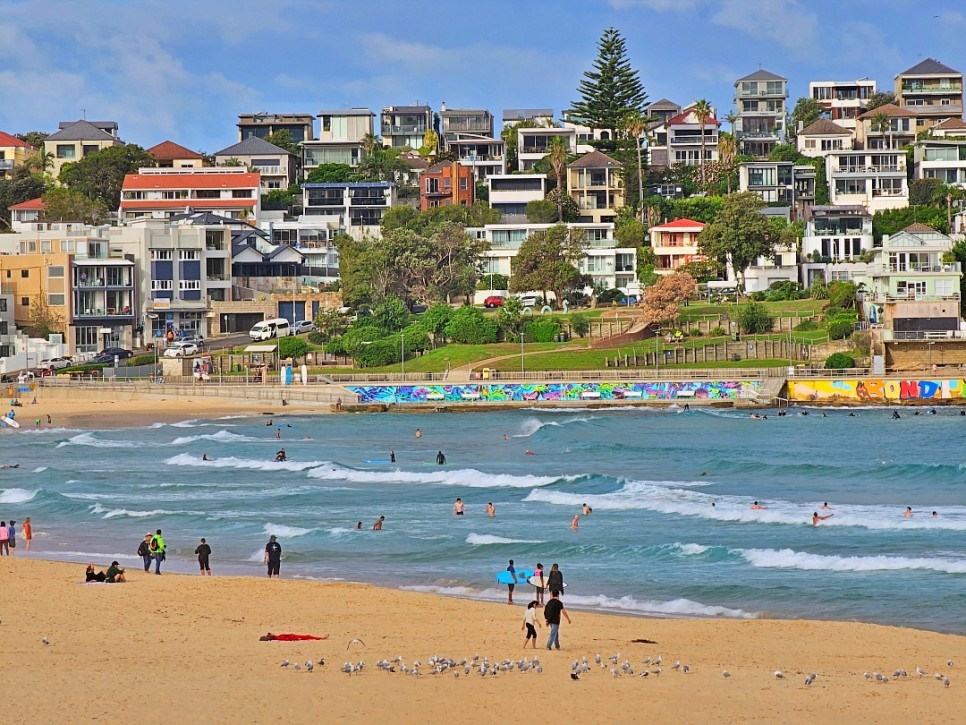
288, 637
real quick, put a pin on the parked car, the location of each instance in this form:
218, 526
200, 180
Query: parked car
55, 362
529, 300
180, 349
303, 326
494, 301
118, 351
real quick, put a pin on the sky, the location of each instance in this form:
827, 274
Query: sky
184, 71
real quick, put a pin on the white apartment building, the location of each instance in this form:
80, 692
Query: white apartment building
761, 100
943, 155
341, 134
231, 191
843, 101
835, 239
510, 193
823, 137
873, 179
532, 144
358, 206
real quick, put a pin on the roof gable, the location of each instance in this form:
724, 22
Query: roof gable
80, 131
928, 66
664, 105
679, 224
761, 75
918, 228
824, 127
251, 146
595, 160
29, 205
170, 150
950, 124
7, 141
889, 109
688, 117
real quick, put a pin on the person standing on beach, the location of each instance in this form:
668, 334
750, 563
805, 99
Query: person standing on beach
4, 539
552, 613
204, 552
12, 531
555, 579
538, 577
144, 551
530, 624
28, 533
273, 556
157, 547
510, 586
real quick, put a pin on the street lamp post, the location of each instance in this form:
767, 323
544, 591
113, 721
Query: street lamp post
521, 355
152, 316
402, 351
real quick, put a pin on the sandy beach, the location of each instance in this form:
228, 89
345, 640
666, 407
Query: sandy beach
189, 647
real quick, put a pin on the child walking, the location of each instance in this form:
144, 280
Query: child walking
530, 623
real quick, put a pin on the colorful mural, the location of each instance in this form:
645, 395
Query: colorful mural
519, 392
876, 390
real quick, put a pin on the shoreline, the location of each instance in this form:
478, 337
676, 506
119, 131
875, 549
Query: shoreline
193, 642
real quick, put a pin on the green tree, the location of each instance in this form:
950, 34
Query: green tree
879, 99
330, 174
391, 314
740, 234
68, 205
557, 153
43, 319
630, 234
806, 112
704, 209
892, 221
430, 143
541, 211
34, 138
882, 123
470, 326
926, 192
547, 260
380, 163
786, 152
20, 187
353, 270
611, 89
435, 319
702, 112
283, 139
509, 137
100, 175
293, 347
511, 319
635, 126
727, 150
752, 318
329, 324
646, 264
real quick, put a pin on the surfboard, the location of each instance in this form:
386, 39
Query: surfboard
11, 422
504, 576
378, 461
535, 581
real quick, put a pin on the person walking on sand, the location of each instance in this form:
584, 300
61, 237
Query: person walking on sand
530, 624
555, 579
28, 533
144, 551
204, 552
378, 525
490, 510
511, 585
552, 614
816, 518
458, 507
538, 577
273, 556
157, 547
4, 539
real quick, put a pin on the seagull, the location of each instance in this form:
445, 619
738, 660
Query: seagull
921, 672
647, 660
308, 665
597, 658
615, 673
574, 676
645, 673
779, 675
949, 663
45, 640
946, 682
353, 641
880, 677
810, 679
296, 666
676, 665
685, 669
939, 675
322, 663
659, 660
285, 663
726, 673
867, 676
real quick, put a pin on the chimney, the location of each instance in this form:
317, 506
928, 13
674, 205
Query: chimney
442, 106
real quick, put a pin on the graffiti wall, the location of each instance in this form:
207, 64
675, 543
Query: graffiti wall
518, 392
876, 390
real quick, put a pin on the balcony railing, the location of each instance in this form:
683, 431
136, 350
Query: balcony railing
951, 268
271, 170
368, 201
410, 129
932, 87
870, 170
917, 335
889, 192
533, 150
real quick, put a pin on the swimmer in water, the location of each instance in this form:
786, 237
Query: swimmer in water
490, 510
825, 506
419, 433
529, 452
757, 506
907, 514
458, 507
378, 525
204, 457
575, 524
816, 518
585, 509
506, 437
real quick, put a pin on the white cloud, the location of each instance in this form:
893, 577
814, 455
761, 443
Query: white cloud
659, 6
787, 23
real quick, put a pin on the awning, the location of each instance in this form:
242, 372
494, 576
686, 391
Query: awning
261, 348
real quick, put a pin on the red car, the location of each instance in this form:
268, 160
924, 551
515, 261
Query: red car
493, 301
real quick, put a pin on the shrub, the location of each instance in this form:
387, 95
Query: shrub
141, 360
694, 333
542, 330
493, 282
608, 296
717, 332
753, 318
758, 296
293, 347
316, 338
839, 327
434, 320
782, 291
806, 325
469, 325
839, 361
579, 324
842, 294
377, 353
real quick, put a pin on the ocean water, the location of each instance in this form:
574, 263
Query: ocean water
654, 545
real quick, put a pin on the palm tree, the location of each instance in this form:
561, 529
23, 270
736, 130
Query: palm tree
702, 111
40, 162
726, 156
557, 152
635, 125
882, 123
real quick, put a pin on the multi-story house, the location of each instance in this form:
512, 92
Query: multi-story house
843, 101
232, 191
342, 135
13, 153
474, 121
822, 137
943, 155
89, 284
314, 238
933, 91
275, 166
835, 241
662, 111
25, 213
536, 116
779, 183
405, 125
263, 125
761, 100
77, 139
912, 265
532, 144
657, 132
169, 155
448, 183
482, 154
357, 206
607, 265
886, 127
874, 179
684, 134
510, 194
595, 182
675, 244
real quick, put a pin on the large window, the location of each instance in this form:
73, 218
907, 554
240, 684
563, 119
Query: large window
161, 255
188, 255
161, 284
66, 151
189, 284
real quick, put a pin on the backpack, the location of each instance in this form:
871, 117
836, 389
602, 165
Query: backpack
154, 544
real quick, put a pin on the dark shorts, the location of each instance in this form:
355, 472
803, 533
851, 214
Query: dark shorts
273, 567
459, 513
531, 631
510, 587
203, 563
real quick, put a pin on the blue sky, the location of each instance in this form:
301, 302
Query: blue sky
171, 69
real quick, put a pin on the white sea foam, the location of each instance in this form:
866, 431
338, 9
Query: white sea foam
469, 477
40, 469
195, 423
484, 539
532, 425
341, 531
186, 459
790, 559
673, 608
222, 436
89, 439
17, 495
285, 532
133, 513
691, 549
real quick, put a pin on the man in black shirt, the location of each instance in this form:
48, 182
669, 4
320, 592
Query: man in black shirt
552, 613
273, 556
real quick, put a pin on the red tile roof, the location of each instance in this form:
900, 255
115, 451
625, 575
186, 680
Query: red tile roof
6, 141
184, 203
889, 109
918, 228
684, 118
30, 205
247, 180
169, 150
680, 224
948, 124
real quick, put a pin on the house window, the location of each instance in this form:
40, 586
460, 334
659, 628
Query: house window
3, 305
66, 151
463, 184
208, 194
180, 194
55, 272
25, 302
944, 287
161, 285
161, 255
188, 255
241, 193
55, 300
25, 273
189, 284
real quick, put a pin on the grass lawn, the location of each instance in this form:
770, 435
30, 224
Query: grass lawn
790, 308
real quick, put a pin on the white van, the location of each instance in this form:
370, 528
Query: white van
267, 329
